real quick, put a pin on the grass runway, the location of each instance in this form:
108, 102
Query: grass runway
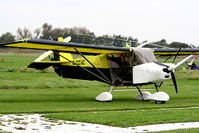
30, 91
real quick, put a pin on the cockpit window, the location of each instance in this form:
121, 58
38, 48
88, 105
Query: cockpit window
144, 55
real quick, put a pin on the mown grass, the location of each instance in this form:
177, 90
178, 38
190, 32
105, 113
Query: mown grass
78, 104
44, 92
192, 130
25, 80
131, 118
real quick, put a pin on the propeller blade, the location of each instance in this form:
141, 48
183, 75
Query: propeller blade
174, 81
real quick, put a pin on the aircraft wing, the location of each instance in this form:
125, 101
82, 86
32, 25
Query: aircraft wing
72, 47
69, 47
175, 51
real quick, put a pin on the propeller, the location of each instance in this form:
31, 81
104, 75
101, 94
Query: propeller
172, 74
174, 81
169, 68
172, 77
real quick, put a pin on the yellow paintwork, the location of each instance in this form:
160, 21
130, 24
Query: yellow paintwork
128, 46
66, 55
67, 48
99, 61
62, 48
60, 39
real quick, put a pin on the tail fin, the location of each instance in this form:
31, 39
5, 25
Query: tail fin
67, 39
63, 56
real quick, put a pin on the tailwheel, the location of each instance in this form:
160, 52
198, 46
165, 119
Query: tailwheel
160, 102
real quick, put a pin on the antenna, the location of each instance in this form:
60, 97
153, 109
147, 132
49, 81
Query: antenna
50, 38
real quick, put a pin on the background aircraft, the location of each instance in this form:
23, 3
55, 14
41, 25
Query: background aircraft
116, 66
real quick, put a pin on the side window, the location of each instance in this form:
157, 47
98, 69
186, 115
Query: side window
121, 67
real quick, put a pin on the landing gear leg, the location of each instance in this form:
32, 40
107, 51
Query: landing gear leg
111, 89
143, 96
158, 86
140, 92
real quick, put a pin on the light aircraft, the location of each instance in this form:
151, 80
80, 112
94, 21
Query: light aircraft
116, 66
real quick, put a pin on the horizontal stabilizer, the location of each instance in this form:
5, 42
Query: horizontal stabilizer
44, 64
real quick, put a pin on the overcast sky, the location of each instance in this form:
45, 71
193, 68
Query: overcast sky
152, 20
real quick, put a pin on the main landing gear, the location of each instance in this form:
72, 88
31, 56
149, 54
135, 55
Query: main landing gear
159, 97
105, 96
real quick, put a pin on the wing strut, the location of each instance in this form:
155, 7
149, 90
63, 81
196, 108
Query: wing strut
167, 58
93, 65
85, 69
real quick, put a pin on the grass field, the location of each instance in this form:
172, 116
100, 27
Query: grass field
25, 90
193, 130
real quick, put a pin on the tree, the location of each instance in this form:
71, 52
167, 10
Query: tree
7, 37
37, 33
163, 42
78, 34
55, 33
104, 40
119, 40
46, 31
81, 35
23, 33
132, 42
179, 45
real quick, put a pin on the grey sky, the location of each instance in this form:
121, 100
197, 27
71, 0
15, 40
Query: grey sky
152, 20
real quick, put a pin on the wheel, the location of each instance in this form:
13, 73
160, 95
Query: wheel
160, 102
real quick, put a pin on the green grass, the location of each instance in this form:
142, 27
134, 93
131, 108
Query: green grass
29, 91
14, 60
78, 104
192, 130
131, 118
25, 80
82, 99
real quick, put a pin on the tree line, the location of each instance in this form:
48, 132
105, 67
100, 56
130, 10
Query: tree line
81, 35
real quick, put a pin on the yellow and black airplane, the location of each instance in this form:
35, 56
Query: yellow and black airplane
116, 66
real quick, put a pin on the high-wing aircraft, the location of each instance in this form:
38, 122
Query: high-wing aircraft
116, 66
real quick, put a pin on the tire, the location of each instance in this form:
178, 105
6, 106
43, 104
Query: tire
160, 102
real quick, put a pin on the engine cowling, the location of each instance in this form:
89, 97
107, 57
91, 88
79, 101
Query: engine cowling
149, 73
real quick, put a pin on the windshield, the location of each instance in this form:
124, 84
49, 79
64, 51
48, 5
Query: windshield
144, 55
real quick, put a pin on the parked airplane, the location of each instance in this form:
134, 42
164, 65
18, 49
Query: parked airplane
116, 66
